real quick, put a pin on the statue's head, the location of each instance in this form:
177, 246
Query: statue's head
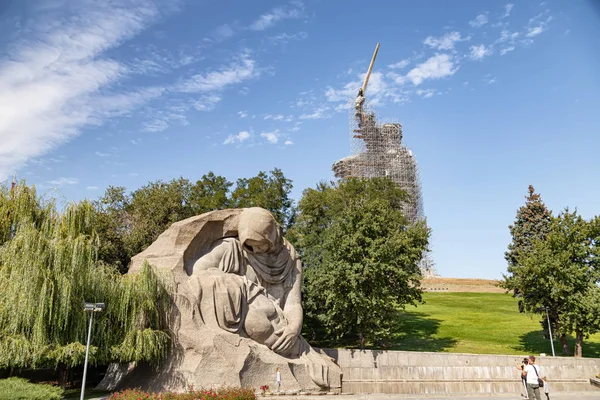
258, 231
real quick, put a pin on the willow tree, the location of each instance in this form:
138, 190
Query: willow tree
48, 269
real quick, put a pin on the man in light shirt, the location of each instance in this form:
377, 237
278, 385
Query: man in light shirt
533, 372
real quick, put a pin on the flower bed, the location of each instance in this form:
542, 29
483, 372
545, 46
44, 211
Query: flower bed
211, 394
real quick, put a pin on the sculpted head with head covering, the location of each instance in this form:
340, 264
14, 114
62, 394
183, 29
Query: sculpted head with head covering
262, 240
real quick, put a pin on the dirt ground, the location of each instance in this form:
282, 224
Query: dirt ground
461, 285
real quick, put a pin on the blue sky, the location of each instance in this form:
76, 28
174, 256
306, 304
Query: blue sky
493, 96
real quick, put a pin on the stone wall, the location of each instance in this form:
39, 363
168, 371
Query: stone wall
404, 366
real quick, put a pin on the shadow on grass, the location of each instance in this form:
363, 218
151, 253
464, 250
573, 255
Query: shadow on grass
535, 343
415, 332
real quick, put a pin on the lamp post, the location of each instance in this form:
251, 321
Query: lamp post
91, 308
550, 331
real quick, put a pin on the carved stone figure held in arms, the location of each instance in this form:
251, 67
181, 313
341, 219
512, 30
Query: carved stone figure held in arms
250, 285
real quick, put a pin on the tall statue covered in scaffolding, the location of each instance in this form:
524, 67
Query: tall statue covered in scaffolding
378, 152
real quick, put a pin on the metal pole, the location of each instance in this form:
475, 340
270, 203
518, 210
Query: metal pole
550, 332
87, 350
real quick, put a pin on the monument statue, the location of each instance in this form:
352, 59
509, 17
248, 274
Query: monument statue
237, 308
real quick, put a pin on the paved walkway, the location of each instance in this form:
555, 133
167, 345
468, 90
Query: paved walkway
595, 394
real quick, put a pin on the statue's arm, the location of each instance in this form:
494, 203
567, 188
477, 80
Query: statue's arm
213, 258
293, 304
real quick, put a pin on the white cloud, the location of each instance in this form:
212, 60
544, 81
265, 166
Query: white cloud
242, 114
135, 141
64, 181
479, 52
400, 64
239, 138
57, 79
277, 117
507, 9
505, 50
272, 137
537, 24
285, 38
100, 154
242, 69
445, 42
318, 113
91, 187
288, 143
426, 94
269, 19
535, 31
156, 125
207, 103
343, 107
436, 67
479, 21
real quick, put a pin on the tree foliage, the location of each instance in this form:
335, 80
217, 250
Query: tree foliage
130, 222
269, 191
560, 272
532, 223
361, 258
48, 269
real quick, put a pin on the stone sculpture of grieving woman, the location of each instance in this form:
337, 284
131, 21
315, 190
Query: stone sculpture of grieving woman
250, 285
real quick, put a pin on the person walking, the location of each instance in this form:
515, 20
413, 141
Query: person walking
521, 368
534, 376
278, 379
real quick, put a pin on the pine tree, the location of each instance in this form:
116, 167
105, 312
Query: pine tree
532, 223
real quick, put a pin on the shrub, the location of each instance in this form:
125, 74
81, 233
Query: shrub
22, 389
204, 394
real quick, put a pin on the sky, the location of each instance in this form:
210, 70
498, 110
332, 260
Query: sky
493, 96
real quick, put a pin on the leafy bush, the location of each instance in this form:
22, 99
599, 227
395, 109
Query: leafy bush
22, 389
212, 394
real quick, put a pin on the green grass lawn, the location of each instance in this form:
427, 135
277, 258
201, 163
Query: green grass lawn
480, 323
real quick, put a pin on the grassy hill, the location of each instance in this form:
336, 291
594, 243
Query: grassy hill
481, 323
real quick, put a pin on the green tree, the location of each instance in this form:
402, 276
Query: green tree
48, 268
270, 191
153, 208
531, 224
361, 258
112, 227
210, 193
562, 272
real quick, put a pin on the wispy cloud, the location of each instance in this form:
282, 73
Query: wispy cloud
271, 137
242, 114
92, 188
507, 9
240, 70
274, 16
207, 103
426, 94
288, 143
57, 79
479, 52
277, 117
318, 113
445, 42
479, 21
239, 138
436, 67
400, 64
285, 38
538, 24
64, 181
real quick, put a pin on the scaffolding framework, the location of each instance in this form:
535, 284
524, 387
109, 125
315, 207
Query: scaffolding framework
377, 151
